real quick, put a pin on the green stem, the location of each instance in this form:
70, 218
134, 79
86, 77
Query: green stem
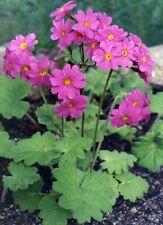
62, 130
82, 125
100, 143
31, 119
47, 106
99, 112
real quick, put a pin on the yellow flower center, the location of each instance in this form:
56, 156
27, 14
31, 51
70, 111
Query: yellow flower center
125, 118
70, 105
63, 33
87, 24
111, 36
135, 103
26, 68
67, 81
108, 56
10, 65
43, 73
144, 59
23, 45
124, 53
93, 45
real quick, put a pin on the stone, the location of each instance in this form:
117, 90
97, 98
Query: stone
2, 52
157, 54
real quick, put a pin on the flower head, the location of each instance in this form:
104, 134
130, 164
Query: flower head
111, 33
104, 20
63, 10
91, 46
67, 82
126, 48
39, 73
23, 43
72, 107
132, 110
10, 63
86, 23
106, 57
62, 31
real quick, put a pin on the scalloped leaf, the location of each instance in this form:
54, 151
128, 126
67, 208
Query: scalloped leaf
30, 198
149, 151
12, 92
73, 147
115, 161
21, 176
46, 116
51, 212
37, 149
125, 132
156, 105
87, 196
95, 81
6, 145
132, 186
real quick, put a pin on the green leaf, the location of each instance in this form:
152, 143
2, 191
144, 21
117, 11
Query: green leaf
1, 127
95, 81
73, 147
87, 197
12, 92
156, 105
115, 161
37, 149
157, 127
44, 115
132, 186
149, 151
114, 185
6, 145
30, 198
51, 212
21, 176
125, 132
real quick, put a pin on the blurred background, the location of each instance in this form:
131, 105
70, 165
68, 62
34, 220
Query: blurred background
142, 17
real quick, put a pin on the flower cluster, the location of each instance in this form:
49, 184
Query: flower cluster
67, 84
19, 60
109, 46
132, 110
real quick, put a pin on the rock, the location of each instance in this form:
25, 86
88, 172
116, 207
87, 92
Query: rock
157, 54
2, 52
133, 210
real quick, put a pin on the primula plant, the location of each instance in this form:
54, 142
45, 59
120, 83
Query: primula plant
85, 179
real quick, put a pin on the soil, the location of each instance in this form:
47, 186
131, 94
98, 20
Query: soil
147, 211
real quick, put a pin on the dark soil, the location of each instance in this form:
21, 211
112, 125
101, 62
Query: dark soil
148, 211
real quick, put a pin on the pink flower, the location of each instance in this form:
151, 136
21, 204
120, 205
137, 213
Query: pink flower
26, 61
144, 60
86, 23
125, 115
62, 31
91, 46
78, 38
10, 64
133, 109
104, 20
39, 74
146, 77
23, 43
63, 10
106, 57
137, 41
126, 48
67, 82
72, 107
111, 33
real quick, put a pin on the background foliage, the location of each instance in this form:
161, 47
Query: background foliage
141, 17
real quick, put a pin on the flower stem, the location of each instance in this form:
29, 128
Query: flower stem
31, 119
62, 127
100, 143
82, 125
99, 112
